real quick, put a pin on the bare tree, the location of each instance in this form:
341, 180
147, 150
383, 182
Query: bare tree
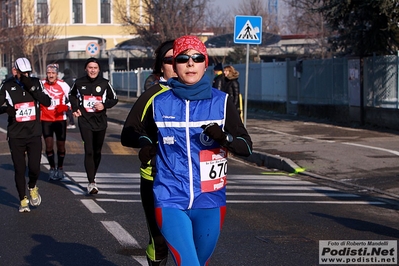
11, 37
305, 19
258, 8
156, 21
220, 21
25, 35
40, 51
302, 18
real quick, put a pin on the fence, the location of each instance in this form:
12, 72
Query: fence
128, 82
319, 82
381, 81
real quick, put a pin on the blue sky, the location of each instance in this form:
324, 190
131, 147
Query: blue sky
227, 4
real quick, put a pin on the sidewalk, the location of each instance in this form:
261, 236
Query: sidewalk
361, 158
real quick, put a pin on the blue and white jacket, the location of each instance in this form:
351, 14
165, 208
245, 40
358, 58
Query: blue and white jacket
191, 166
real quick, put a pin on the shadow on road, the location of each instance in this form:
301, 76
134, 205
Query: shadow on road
7, 199
361, 225
51, 252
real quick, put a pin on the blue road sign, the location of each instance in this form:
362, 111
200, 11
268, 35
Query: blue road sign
92, 48
248, 29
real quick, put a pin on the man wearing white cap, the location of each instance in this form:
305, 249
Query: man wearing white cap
23, 96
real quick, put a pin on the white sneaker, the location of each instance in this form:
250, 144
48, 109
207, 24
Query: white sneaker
92, 188
52, 175
71, 127
24, 207
35, 198
60, 174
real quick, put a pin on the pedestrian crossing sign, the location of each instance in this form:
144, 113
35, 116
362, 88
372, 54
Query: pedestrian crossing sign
248, 29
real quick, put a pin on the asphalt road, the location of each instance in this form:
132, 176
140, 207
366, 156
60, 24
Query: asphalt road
362, 157
273, 218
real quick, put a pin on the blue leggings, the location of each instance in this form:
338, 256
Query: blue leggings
191, 234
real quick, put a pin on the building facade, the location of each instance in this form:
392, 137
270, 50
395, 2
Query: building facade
63, 31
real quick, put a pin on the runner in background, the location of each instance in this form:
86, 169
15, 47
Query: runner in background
68, 78
23, 94
54, 120
90, 97
157, 250
218, 80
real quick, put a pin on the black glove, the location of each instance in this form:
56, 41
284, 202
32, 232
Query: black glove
11, 111
28, 85
3, 109
214, 131
7, 109
147, 153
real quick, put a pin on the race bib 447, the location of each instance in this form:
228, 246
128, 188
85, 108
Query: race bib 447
25, 112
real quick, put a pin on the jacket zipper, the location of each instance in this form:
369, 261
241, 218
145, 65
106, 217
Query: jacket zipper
190, 163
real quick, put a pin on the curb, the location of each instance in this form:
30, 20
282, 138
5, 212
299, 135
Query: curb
287, 165
272, 162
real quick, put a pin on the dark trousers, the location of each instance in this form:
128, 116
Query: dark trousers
93, 143
70, 117
32, 147
157, 242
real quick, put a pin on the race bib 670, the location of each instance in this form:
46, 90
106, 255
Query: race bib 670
213, 165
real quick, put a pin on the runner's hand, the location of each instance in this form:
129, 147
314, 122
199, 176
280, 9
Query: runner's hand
147, 153
214, 131
28, 85
11, 111
61, 108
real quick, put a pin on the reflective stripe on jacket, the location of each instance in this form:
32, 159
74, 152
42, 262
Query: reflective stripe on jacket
180, 140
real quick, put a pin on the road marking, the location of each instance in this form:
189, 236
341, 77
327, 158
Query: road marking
330, 141
92, 206
258, 187
117, 148
141, 259
119, 200
372, 147
335, 195
282, 187
277, 182
287, 134
123, 236
74, 189
307, 202
112, 175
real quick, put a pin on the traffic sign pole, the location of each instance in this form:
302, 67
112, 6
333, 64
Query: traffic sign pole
247, 30
246, 87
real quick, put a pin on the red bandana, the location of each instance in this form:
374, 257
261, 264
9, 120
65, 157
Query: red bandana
187, 42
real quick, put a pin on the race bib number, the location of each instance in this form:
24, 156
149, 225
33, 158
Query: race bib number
54, 103
25, 112
89, 102
213, 166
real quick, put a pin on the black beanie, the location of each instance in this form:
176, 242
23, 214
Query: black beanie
92, 59
218, 67
165, 48
160, 52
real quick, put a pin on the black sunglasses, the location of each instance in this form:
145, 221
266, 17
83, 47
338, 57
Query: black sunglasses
183, 58
168, 60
